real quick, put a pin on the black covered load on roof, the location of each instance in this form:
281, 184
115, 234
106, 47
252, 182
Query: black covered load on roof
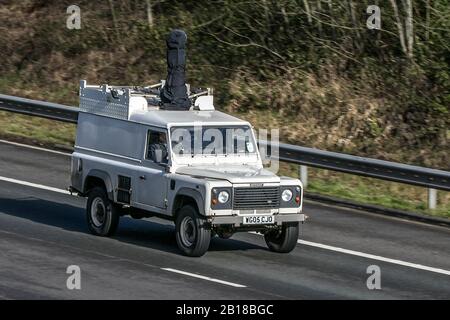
174, 93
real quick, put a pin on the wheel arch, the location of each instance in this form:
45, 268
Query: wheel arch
187, 196
96, 178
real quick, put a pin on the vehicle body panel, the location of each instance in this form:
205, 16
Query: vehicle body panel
112, 146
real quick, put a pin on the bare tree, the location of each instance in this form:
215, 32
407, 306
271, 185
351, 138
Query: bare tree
308, 11
319, 10
330, 9
406, 28
114, 18
399, 23
427, 20
358, 42
149, 13
409, 27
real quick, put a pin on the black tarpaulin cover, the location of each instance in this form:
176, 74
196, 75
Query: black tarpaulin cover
174, 94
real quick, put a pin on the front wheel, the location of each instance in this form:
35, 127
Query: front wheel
102, 214
283, 240
192, 234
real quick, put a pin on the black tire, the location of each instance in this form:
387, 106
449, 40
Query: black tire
192, 233
284, 240
104, 218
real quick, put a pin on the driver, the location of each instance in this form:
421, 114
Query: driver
159, 147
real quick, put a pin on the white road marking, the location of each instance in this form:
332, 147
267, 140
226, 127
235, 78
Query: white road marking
33, 185
34, 147
303, 242
236, 285
374, 257
369, 256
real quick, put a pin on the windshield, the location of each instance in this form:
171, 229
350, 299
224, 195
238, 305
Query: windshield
194, 141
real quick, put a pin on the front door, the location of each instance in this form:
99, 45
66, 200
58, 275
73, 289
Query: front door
152, 176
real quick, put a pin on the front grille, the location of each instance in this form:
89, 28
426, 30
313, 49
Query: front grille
256, 198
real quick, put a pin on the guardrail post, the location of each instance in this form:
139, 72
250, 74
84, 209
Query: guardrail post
432, 198
304, 176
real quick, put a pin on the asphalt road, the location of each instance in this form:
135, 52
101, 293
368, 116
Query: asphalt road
43, 231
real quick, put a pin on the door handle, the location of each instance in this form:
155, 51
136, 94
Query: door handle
142, 177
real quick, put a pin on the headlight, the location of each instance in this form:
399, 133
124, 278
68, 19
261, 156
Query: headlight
223, 196
286, 195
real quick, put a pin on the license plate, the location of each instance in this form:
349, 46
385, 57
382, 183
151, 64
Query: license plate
258, 220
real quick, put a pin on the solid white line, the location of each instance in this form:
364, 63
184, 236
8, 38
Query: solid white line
236, 285
34, 147
369, 256
34, 185
374, 257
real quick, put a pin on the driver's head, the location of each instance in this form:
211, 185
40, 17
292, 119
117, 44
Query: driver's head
162, 137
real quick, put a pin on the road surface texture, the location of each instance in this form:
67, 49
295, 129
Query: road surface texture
43, 231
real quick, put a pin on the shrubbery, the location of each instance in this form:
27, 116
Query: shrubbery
310, 67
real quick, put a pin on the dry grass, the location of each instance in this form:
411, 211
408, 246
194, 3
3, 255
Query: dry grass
36, 130
371, 191
328, 112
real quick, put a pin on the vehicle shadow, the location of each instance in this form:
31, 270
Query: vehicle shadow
159, 235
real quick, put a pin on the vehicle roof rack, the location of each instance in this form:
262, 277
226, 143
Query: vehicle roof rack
122, 101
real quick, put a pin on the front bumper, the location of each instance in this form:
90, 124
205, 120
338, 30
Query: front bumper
237, 221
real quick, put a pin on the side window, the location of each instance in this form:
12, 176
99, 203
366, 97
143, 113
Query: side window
157, 146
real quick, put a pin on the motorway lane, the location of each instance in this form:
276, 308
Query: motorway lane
48, 168
42, 232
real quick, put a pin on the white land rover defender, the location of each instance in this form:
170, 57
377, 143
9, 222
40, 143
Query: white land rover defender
164, 151
200, 168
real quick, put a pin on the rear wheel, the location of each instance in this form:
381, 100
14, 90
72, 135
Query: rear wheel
283, 240
192, 234
102, 214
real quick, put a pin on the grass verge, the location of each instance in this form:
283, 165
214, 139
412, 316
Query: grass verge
371, 191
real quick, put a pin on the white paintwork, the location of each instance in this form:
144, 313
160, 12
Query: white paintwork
233, 174
170, 118
112, 141
137, 105
204, 103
